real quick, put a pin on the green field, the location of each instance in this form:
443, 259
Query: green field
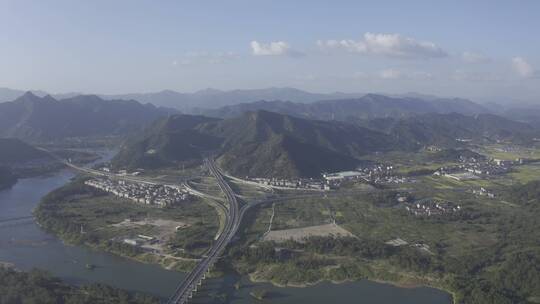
107, 220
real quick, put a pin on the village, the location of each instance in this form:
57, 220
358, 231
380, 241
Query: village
300, 183
475, 168
142, 193
432, 207
373, 173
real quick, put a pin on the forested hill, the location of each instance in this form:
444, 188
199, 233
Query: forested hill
43, 118
257, 143
14, 151
449, 129
39, 287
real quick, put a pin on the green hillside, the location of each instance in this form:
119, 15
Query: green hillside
256, 144
14, 151
44, 118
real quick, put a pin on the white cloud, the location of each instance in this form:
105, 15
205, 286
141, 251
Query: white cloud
275, 48
472, 57
391, 45
523, 68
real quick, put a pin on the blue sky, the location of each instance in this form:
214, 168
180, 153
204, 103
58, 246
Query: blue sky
477, 49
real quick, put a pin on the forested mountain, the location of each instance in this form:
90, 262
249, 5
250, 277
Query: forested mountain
257, 144
14, 151
167, 141
369, 106
449, 129
41, 118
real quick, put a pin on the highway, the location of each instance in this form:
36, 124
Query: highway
233, 219
186, 289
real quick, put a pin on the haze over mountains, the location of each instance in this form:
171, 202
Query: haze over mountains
297, 102
263, 138
207, 98
366, 107
43, 118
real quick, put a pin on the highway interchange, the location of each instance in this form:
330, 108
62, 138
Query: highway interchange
233, 219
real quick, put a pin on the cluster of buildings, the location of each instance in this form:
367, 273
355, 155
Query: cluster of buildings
149, 194
376, 173
474, 169
483, 192
140, 240
432, 207
292, 183
122, 172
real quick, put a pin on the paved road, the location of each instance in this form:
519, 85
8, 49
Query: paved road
234, 216
185, 290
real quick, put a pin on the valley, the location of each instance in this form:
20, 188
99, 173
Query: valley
409, 202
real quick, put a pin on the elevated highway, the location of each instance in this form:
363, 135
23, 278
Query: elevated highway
186, 289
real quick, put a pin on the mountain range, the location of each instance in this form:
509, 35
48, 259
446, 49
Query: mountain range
32, 117
257, 143
268, 144
450, 130
366, 107
207, 98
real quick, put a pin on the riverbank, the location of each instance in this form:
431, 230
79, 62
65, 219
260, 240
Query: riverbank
402, 280
38, 286
81, 215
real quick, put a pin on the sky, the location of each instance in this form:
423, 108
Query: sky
486, 50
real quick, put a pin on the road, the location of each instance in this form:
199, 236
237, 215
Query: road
233, 219
186, 289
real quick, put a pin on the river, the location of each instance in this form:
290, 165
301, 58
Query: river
27, 246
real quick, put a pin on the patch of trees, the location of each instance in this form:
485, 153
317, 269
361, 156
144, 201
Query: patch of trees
346, 246
194, 237
39, 287
527, 194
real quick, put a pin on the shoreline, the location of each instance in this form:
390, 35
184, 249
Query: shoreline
452, 294
147, 259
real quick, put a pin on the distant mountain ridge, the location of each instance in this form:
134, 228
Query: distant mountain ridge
369, 106
207, 98
41, 118
448, 129
212, 98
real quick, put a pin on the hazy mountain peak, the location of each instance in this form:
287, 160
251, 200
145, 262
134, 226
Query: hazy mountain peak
208, 91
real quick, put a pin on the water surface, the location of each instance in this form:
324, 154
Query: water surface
27, 246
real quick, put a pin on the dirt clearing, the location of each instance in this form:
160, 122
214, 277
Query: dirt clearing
299, 234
